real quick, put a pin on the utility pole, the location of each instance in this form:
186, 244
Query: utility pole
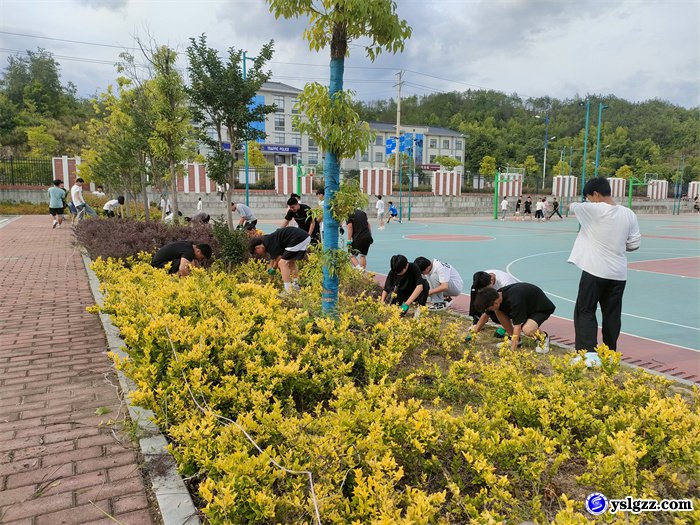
397, 151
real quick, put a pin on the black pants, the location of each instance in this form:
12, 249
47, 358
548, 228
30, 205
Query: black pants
402, 297
557, 212
591, 291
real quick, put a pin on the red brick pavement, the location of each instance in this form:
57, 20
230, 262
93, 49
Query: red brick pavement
58, 463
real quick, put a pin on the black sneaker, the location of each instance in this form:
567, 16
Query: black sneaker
439, 305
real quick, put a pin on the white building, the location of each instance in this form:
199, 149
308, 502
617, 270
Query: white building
284, 145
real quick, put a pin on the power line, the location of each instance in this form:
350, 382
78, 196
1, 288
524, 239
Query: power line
68, 40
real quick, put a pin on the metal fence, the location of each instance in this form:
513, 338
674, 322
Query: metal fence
26, 171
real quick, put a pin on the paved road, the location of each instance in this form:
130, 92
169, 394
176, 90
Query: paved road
59, 461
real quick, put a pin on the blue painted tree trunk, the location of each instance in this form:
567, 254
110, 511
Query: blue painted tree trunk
331, 174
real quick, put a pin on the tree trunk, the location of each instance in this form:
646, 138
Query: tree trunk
331, 173
144, 193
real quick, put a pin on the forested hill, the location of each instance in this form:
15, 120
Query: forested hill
649, 137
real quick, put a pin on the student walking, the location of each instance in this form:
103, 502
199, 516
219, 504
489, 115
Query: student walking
380, 211
76, 193
528, 207
555, 209
539, 207
56, 205
199, 204
504, 208
607, 232
518, 203
359, 238
393, 212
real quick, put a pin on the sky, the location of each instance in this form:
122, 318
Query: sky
633, 49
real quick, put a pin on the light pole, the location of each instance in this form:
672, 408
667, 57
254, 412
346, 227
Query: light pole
585, 148
546, 140
245, 146
601, 107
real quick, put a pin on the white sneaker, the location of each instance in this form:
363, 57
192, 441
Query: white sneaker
544, 347
296, 287
591, 359
381, 227
437, 305
55, 223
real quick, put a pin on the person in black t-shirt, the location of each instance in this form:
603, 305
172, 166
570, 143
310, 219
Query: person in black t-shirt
301, 214
181, 255
520, 307
405, 284
284, 247
359, 238
555, 209
528, 207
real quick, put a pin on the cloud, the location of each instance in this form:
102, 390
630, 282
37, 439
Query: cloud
109, 5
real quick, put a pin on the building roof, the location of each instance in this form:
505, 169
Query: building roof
428, 130
279, 87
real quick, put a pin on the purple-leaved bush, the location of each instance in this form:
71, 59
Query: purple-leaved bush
123, 238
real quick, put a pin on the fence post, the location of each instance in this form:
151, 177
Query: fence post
12, 170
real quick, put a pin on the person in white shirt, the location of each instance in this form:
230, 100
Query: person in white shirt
199, 204
380, 211
444, 280
248, 221
112, 206
504, 208
607, 232
99, 192
321, 196
539, 210
76, 194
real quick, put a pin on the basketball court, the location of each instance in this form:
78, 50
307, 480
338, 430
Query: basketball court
661, 308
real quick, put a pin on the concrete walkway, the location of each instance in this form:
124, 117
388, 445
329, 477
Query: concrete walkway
64, 455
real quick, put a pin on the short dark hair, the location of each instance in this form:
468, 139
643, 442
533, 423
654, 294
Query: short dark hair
254, 242
398, 263
79, 180
295, 196
485, 298
120, 199
379, 197
291, 201
599, 184
481, 280
321, 192
57, 182
390, 202
422, 263
205, 249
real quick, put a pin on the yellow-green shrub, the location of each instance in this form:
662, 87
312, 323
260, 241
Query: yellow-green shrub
488, 437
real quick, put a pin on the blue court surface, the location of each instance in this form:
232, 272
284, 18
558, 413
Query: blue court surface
662, 297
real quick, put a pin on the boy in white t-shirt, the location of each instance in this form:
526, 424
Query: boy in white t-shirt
444, 280
380, 211
607, 232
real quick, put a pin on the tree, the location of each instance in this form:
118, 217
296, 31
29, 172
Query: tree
488, 165
41, 143
221, 99
447, 162
335, 23
256, 159
625, 172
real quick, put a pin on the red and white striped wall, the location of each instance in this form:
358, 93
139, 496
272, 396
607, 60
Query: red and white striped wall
694, 189
512, 186
286, 181
376, 181
195, 180
447, 183
657, 189
66, 169
565, 186
618, 186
